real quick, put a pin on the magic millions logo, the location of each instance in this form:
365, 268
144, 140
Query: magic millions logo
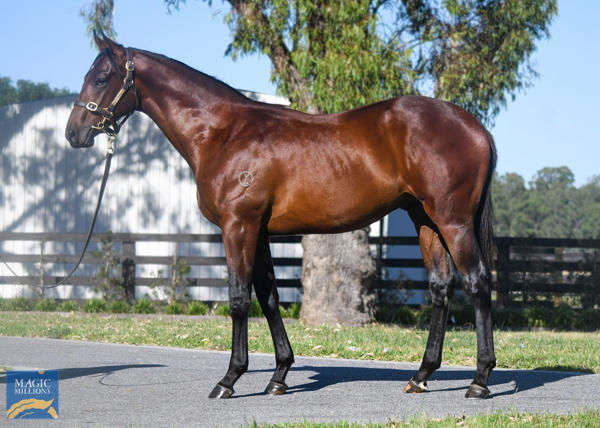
32, 394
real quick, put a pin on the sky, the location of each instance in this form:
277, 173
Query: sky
555, 122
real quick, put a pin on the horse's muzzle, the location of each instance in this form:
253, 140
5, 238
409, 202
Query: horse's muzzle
81, 139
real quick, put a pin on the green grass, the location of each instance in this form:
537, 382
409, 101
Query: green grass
544, 350
587, 418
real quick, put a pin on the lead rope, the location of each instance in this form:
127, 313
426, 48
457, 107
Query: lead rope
110, 150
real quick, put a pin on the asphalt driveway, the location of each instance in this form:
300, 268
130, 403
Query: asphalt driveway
117, 385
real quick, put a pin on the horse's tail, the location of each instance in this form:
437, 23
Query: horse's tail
485, 219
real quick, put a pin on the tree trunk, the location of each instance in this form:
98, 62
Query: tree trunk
338, 278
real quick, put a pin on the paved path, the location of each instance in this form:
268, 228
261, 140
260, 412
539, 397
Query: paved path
117, 385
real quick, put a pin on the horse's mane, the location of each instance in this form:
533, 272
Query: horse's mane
195, 73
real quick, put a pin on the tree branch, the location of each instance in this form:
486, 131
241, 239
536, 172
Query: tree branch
273, 45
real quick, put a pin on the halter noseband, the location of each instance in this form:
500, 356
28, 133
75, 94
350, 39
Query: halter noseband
109, 124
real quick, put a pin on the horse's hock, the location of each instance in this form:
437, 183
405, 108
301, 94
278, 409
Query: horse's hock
338, 275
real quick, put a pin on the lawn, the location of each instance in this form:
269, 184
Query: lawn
544, 350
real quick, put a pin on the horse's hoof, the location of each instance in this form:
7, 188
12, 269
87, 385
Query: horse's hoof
477, 391
415, 388
220, 391
276, 388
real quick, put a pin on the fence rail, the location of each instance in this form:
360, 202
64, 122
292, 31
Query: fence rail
526, 268
534, 269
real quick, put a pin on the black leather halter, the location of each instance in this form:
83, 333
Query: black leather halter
109, 123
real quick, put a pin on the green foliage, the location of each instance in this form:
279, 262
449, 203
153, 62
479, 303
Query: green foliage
98, 15
118, 307
337, 55
68, 306
255, 310
174, 309
401, 314
46, 305
26, 90
18, 304
144, 306
291, 311
562, 317
221, 309
478, 52
550, 206
95, 306
197, 308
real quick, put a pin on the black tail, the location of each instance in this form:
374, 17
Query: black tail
486, 215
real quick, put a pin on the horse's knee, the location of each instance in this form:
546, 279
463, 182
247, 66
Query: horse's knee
239, 305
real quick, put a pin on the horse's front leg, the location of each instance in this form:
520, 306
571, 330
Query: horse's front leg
266, 293
240, 240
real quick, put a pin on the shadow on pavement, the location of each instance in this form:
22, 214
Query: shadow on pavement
521, 380
75, 372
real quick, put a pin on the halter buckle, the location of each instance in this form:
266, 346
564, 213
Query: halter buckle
91, 106
129, 65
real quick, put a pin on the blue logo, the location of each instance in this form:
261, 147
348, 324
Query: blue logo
32, 394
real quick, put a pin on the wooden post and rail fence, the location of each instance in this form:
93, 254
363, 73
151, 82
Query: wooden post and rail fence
527, 269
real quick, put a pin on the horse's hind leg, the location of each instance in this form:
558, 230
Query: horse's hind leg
474, 272
442, 279
266, 293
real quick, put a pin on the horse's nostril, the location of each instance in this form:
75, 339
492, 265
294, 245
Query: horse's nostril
71, 134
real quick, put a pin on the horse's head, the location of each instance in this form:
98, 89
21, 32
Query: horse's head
107, 97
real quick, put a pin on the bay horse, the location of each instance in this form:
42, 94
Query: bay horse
265, 170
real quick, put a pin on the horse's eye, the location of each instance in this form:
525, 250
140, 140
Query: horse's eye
101, 81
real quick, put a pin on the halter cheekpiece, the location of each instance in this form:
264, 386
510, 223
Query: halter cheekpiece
109, 124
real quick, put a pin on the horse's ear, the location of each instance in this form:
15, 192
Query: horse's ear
104, 42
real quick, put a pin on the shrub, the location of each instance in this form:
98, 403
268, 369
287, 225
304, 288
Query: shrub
197, 308
509, 317
588, 319
119, 307
401, 314
255, 310
144, 306
462, 313
173, 309
19, 304
95, 306
292, 311
221, 309
68, 306
46, 305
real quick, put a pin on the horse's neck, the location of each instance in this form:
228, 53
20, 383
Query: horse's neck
181, 101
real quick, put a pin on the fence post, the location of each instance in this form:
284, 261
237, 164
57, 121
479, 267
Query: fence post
595, 285
503, 273
128, 270
558, 274
379, 257
42, 245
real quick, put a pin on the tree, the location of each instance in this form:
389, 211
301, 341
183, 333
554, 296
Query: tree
26, 90
552, 200
511, 198
330, 56
588, 205
549, 207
